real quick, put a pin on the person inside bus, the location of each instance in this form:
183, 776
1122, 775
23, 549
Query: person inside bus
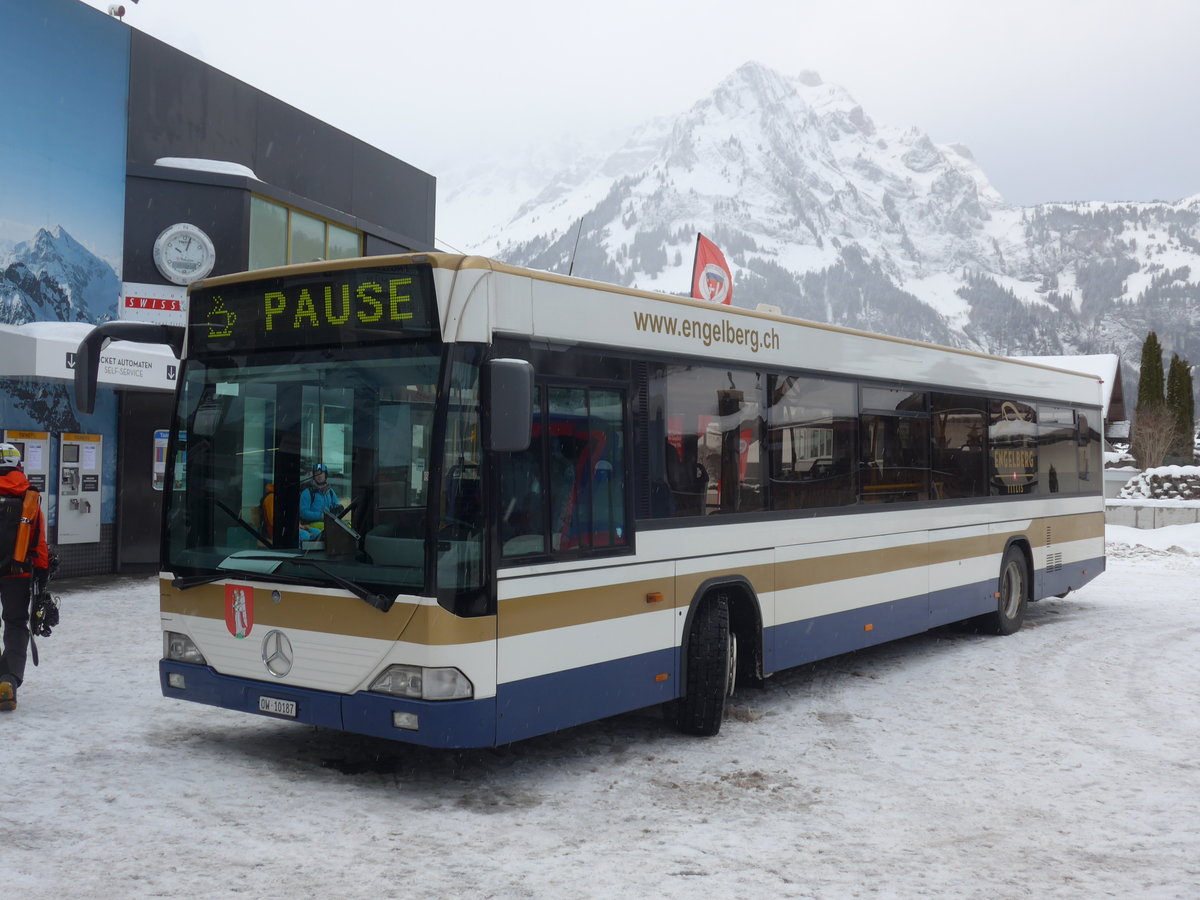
316, 499
266, 508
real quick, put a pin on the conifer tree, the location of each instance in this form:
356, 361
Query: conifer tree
1150, 381
1175, 402
1153, 435
1182, 406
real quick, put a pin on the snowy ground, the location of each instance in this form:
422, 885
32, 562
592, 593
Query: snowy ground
1062, 761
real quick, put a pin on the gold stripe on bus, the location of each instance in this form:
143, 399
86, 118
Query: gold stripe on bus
800, 573
349, 616
433, 625
562, 609
1067, 528
839, 567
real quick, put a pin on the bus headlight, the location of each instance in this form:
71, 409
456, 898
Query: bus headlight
180, 648
423, 683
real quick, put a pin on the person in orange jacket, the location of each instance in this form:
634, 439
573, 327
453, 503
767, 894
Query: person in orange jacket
22, 550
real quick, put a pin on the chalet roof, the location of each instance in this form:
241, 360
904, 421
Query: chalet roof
1106, 366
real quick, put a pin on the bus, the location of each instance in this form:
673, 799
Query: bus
561, 500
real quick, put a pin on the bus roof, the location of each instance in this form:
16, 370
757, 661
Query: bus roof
464, 262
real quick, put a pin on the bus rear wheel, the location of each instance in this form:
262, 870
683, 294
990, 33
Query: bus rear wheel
711, 670
1012, 595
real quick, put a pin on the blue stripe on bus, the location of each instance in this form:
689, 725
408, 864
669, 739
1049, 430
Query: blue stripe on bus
1070, 577
797, 643
546, 703
561, 699
447, 724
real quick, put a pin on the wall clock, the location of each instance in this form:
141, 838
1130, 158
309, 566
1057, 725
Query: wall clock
184, 253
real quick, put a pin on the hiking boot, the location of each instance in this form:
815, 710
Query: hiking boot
8, 695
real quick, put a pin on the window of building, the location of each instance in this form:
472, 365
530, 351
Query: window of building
306, 238
280, 235
268, 234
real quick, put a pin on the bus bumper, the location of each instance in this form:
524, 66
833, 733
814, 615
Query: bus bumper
448, 724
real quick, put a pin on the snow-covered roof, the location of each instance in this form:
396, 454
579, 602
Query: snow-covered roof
1105, 366
219, 166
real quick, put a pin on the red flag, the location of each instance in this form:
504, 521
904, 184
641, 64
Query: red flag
711, 277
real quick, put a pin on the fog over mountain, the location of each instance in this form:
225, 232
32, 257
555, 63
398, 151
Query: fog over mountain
836, 218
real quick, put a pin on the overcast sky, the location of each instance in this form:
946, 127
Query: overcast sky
1057, 99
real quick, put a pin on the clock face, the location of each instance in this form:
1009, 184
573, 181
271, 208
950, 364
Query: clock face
184, 253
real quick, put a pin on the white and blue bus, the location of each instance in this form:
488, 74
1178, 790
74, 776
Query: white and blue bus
562, 500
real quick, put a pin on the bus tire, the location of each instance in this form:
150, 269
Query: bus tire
1012, 595
711, 669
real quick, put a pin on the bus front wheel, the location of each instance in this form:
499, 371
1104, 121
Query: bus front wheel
711, 669
1012, 595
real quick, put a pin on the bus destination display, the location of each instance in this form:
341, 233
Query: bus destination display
353, 306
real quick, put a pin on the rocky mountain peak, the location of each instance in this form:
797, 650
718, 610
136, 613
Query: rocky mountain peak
830, 215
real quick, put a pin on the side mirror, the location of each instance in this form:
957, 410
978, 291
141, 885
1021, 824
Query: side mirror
509, 405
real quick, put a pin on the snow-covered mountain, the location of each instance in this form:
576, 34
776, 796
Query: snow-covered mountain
833, 217
52, 277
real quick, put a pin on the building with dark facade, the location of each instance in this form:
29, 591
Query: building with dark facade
127, 170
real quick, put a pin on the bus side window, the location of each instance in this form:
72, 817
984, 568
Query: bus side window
566, 493
959, 428
608, 468
569, 469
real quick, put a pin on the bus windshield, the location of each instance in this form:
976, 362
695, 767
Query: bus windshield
309, 465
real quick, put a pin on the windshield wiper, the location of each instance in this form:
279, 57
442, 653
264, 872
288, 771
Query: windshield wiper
379, 601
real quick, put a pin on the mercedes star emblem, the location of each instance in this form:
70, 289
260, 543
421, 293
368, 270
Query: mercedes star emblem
277, 653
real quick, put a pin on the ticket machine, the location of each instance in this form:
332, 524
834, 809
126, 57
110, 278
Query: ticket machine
80, 467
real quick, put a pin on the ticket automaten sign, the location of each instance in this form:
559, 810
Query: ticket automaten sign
320, 309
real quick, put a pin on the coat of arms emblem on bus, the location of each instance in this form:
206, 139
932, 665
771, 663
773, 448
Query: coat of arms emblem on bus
239, 609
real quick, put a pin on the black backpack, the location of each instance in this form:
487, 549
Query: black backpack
10, 522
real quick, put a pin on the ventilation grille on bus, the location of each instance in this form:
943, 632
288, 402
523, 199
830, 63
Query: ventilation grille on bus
1054, 559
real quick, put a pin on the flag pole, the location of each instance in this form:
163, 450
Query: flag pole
578, 231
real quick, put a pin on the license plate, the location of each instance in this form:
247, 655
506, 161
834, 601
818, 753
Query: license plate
277, 707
